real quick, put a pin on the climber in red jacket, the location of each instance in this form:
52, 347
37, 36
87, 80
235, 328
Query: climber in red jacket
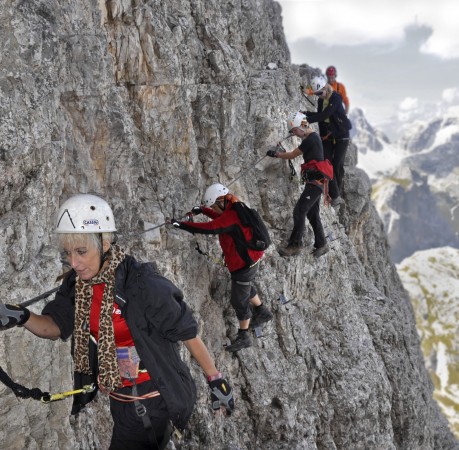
241, 261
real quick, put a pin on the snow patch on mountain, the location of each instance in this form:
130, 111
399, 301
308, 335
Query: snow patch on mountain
377, 156
445, 135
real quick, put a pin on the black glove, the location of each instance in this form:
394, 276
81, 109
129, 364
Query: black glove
12, 315
221, 395
272, 153
196, 210
175, 223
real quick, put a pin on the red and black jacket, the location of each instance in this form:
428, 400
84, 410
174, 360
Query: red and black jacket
233, 237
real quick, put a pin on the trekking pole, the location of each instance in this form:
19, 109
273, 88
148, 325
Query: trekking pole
253, 165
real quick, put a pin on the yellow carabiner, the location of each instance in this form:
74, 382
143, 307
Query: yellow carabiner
55, 397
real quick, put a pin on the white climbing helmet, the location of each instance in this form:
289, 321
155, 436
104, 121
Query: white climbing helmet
85, 213
297, 120
318, 82
213, 192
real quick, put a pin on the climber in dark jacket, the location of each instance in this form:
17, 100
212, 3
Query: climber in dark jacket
126, 322
308, 205
241, 261
334, 127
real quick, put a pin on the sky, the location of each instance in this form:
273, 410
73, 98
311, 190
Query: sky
399, 59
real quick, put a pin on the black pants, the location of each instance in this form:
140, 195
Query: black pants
242, 291
129, 432
335, 151
308, 205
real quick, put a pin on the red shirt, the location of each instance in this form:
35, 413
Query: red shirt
123, 337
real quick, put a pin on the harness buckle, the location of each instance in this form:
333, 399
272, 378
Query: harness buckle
140, 409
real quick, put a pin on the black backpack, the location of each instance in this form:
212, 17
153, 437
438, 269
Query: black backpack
250, 218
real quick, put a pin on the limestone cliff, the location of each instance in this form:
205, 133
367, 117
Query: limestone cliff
146, 103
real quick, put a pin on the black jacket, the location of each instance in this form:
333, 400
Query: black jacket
312, 148
157, 318
339, 124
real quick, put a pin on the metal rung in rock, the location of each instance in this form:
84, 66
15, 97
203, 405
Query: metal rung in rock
258, 332
283, 300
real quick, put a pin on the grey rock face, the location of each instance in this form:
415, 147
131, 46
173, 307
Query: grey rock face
146, 103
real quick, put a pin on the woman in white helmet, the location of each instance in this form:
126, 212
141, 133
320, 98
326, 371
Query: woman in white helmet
126, 320
308, 205
334, 127
241, 261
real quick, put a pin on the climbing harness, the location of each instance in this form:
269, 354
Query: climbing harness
141, 412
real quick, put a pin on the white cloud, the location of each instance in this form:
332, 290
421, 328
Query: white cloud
409, 109
408, 103
444, 41
453, 111
450, 95
357, 22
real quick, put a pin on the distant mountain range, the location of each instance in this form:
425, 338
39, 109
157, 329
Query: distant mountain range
415, 188
415, 182
432, 279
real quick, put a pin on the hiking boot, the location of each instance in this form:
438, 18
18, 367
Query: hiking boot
337, 201
290, 250
321, 251
260, 315
243, 340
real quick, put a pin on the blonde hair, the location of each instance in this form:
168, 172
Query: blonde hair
328, 89
93, 240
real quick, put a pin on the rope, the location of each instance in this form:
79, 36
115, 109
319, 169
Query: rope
246, 170
254, 164
39, 297
19, 390
128, 398
209, 257
305, 96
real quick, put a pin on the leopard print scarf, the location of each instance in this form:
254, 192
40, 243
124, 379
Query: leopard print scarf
108, 366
